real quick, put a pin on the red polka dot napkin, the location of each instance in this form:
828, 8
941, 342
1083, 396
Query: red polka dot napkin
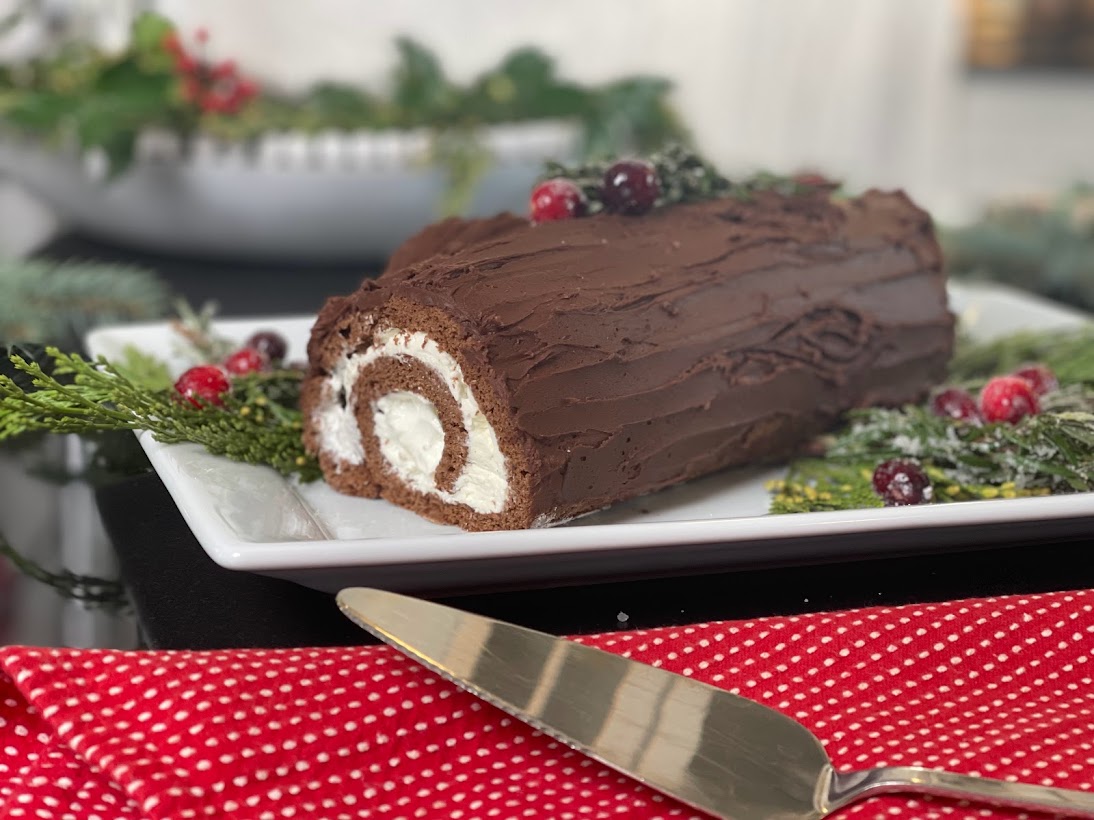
999, 687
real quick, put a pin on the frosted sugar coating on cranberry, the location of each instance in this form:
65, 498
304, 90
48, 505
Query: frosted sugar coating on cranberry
902, 483
1008, 399
556, 199
203, 385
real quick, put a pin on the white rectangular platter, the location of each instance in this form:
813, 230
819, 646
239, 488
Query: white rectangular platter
250, 518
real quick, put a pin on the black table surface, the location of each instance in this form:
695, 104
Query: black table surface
184, 600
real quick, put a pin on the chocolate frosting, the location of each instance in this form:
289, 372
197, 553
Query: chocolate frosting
637, 352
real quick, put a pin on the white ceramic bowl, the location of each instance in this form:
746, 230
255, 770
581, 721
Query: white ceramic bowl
332, 197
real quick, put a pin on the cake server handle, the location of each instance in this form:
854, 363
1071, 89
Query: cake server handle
846, 787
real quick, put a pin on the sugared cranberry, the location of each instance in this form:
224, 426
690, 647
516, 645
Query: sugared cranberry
557, 198
902, 483
630, 187
202, 385
1009, 399
955, 403
246, 360
1040, 378
271, 343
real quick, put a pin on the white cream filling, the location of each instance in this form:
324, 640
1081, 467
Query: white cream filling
411, 437
412, 431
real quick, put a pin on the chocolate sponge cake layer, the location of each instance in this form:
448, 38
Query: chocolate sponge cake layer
501, 374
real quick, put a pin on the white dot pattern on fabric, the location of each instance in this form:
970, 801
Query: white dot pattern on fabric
996, 687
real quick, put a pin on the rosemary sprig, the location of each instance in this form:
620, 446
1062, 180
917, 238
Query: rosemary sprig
199, 342
1052, 452
684, 176
251, 427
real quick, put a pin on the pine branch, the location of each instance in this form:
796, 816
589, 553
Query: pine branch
58, 303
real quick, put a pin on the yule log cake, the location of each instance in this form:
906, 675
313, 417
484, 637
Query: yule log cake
505, 373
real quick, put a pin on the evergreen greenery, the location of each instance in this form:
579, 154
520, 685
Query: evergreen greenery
1052, 452
1046, 247
58, 303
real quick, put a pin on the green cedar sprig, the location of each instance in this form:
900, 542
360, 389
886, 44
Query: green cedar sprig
94, 396
684, 176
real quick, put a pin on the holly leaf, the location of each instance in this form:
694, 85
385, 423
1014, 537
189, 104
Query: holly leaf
341, 106
125, 101
524, 87
421, 93
632, 114
147, 38
38, 110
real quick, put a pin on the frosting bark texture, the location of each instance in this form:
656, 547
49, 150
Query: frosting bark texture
612, 356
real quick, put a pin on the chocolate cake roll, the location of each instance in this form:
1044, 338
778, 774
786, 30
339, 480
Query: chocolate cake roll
504, 374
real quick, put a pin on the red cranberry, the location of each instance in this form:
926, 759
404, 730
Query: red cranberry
271, 343
202, 385
1009, 399
902, 483
246, 360
955, 403
630, 187
557, 198
1040, 378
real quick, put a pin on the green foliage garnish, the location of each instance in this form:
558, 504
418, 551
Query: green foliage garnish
259, 423
1052, 452
683, 175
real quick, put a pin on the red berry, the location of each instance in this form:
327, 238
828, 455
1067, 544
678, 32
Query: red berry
630, 187
556, 199
202, 385
955, 403
271, 343
185, 64
225, 69
1009, 399
1040, 378
246, 360
246, 89
202, 35
901, 483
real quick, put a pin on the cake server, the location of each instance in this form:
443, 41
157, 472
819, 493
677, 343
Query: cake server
713, 750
